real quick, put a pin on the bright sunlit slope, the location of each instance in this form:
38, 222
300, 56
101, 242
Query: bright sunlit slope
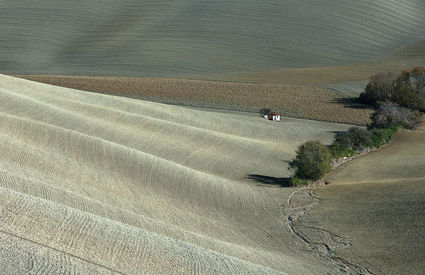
195, 38
96, 183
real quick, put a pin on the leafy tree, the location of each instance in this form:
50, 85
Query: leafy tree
313, 161
381, 87
406, 89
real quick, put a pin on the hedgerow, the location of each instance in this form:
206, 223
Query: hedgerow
399, 100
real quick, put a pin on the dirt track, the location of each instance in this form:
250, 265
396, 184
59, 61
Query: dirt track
94, 183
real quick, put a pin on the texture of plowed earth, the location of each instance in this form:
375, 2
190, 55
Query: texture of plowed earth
93, 183
200, 39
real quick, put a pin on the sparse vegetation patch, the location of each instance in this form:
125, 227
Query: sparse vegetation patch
390, 114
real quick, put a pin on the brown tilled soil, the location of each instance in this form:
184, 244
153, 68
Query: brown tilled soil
301, 101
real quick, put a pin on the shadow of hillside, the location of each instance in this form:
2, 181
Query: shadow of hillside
282, 182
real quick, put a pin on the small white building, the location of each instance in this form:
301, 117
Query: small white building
273, 117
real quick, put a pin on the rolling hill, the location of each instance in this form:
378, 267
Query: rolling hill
206, 39
97, 183
107, 182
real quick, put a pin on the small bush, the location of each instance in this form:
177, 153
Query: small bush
355, 139
343, 140
265, 111
383, 136
313, 161
390, 115
340, 150
362, 138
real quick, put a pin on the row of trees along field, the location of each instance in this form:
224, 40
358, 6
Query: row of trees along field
399, 100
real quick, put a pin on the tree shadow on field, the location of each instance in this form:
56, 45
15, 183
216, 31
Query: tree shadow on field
335, 132
282, 182
352, 102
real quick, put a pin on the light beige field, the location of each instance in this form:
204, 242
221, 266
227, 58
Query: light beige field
377, 203
93, 183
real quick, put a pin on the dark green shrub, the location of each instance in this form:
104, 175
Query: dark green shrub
340, 150
352, 140
343, 140
378, 138
313, 161
383, 135
391, 115
265, 111
362, 138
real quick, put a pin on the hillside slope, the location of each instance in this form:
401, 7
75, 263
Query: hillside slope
201, 38
378, 203
96, 183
